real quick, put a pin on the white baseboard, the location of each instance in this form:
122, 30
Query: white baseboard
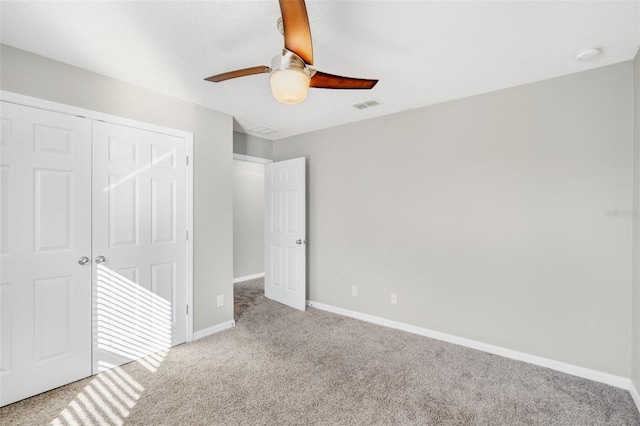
635, 395
213, 330
598, 376
248, 277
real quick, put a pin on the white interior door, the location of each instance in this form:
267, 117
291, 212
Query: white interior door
45, 229
139, 243
285, 233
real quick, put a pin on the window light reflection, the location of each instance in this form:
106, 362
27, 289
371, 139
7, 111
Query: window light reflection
131, 324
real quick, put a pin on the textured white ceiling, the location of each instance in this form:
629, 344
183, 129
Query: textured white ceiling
424, 53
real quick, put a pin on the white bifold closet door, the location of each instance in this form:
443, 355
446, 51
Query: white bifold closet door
45, 293
92, 247
139, 229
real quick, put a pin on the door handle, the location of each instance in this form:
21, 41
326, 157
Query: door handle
83, 260
100, 259
301, 241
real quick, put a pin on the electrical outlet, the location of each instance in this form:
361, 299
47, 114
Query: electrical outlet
354, 290
220, 300
394, 299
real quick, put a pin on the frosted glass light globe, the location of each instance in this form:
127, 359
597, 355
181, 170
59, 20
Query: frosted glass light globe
289, 86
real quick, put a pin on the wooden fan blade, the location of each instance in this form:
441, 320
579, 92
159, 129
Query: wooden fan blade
323, 80
238, 73
297, 34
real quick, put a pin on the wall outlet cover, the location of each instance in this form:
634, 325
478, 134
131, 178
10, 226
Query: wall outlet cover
220, 300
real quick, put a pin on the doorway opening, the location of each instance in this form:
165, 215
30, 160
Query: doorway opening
248, 218
282, 218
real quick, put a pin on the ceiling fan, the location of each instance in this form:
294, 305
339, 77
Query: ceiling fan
292, 72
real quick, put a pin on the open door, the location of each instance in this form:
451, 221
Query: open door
285, 233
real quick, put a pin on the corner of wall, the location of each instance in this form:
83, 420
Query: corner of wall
252, 146
635, 280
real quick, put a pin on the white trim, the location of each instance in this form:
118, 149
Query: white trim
16, 98
190, 282
598, 376
248, 277
44, 104
251, 159
634, 394
213, 330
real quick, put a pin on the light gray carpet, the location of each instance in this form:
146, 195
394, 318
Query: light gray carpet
279, 366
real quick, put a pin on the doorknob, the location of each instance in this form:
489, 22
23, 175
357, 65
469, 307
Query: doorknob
301, 241
83, 260
100, 259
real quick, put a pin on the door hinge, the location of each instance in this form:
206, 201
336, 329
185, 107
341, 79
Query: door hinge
187, 160
187, 309
187, 235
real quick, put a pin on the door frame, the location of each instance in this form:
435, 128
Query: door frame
264, 162
251, 159
44, 104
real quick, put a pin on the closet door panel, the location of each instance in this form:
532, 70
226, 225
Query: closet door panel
45, 226
139, 219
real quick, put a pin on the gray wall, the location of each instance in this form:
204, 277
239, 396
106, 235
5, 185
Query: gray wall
32, 75
635, 294
252, 146
248, 218
487, 216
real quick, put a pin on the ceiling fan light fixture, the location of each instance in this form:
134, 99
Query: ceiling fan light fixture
289, 79
289, 86
292, 72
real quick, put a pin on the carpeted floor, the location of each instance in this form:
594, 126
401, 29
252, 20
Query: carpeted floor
279, 366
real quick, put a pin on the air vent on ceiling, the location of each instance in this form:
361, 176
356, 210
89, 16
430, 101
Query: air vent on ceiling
262, 130
367, 104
